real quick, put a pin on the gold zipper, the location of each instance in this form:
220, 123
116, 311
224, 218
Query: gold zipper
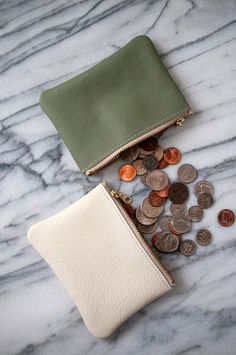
116, 196
177, 121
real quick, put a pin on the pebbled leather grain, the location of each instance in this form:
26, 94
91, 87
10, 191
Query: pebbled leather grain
96, 256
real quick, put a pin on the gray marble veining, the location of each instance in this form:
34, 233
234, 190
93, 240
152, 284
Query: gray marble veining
43, 43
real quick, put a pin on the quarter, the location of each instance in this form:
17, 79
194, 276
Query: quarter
157, 180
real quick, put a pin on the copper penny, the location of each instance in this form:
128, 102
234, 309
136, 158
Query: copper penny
172, 155
178, 210
164, 192
195, 213
187, 173
149, 210
138, 165
147, 229
162, 164
129, 209
150, 162
164, 222
178, 193
127, 172
130, 154
158, 154
205, 200
157, 180
204, 237
181, 224
141, 218
226, 218
167, 242
155, 199
149, 144
203, 186
188, 247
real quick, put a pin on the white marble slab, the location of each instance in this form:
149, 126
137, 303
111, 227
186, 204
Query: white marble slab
42, 43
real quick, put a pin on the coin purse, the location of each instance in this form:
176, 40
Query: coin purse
119, 102
104, 263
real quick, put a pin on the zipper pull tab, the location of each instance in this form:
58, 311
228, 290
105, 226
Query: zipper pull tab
120, 195
179, 122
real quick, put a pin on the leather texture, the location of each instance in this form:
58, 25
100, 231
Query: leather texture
111, 104
100, 262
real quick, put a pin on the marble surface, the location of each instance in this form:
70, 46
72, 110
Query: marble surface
42, 43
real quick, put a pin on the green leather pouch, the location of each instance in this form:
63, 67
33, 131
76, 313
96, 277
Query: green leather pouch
119, 102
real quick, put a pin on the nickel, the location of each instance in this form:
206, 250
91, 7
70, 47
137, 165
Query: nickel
178, 210
149, 210
141, 218
187, 173
157, 180
167, 242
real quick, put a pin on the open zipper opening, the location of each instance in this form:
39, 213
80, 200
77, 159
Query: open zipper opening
178, 121
115, 195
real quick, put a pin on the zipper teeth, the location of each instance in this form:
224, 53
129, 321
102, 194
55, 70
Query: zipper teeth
154, 131
160, 266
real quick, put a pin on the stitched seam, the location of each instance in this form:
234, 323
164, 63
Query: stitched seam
134, 136
135, 240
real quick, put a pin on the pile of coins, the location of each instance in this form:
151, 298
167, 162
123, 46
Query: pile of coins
148, 159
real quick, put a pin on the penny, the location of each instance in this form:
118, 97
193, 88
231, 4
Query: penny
172, 155
127, 172
148, 228
164, 192
226, 218
155, 199
138, 165
203, 186
187, 173
204, 237
157, 180
178, 210
150, 162
144, 179
130, 154
141, 218
205, 200
181, 224
167, 242
158, 154
188, 247
162, 164
164, 222
195, 213
178, 193
129, 209
149, 144
149, 210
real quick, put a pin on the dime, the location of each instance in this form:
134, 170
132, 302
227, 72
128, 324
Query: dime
181, 224
147, 229
205, 200
226, 218
203, 186
204, 237
164, 222
129, 209
188, 247
127, 172
167, 242
149, 144
144, 179
195, 213
187, 173
158, 154
162, 164
149, 210
150, 162
130, 154
157, 180
178, 193
178, 210
141, 218
172, 155
164, 192
138, 165
155, 199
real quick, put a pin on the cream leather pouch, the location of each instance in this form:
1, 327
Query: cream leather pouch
103, 261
